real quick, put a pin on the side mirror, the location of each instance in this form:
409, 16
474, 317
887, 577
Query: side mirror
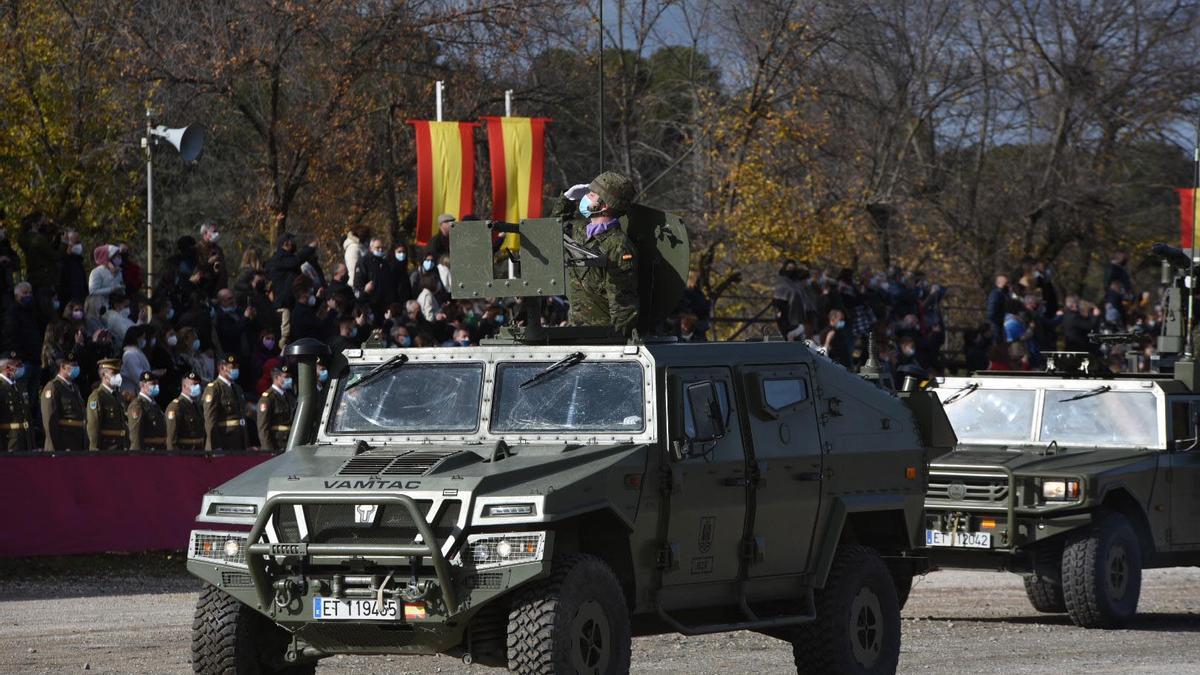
706, 412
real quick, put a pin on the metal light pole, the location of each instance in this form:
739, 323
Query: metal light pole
189, 141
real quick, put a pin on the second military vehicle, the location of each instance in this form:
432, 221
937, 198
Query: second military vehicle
536, 502
1075, 478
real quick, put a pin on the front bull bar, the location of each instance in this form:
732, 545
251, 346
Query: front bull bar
257, 552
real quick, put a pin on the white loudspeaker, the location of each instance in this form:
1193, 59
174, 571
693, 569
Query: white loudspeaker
189, 141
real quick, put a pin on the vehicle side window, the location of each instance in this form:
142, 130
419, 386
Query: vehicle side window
1183, 424
782, 393
689, 424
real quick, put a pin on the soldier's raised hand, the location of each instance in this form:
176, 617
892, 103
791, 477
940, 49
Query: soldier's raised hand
576, 192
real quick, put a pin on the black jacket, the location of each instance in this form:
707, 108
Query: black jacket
282, 270
23, 332
380, 271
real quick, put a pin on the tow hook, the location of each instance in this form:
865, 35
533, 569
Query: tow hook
287, 591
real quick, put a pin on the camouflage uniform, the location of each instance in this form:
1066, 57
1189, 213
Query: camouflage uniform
63, 416
606, 295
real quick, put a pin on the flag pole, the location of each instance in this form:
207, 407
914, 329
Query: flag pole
600, 88
1188, 344
438, 95
508, 102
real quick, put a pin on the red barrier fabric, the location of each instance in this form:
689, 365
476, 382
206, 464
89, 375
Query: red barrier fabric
89, 503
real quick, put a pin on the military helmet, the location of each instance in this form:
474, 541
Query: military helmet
616, 190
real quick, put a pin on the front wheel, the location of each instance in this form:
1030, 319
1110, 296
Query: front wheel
574, 622
1102, 574
857, 629
228, 637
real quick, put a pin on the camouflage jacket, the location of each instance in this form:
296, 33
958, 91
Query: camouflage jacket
606, 295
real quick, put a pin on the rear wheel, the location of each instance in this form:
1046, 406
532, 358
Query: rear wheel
1102, 573
229, 638
574, 622
857, 629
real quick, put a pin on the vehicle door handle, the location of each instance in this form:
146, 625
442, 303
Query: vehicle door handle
808, 476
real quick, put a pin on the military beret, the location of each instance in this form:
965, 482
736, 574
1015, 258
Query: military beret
148, 376
111, 364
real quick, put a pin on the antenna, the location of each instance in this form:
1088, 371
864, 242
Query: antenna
600, 88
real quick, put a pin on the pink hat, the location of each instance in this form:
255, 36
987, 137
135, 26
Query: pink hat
104, 253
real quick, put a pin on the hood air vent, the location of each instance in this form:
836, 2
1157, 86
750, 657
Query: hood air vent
394, 462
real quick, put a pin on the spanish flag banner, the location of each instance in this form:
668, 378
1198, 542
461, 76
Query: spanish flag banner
445, 172
1187, 216
516, 146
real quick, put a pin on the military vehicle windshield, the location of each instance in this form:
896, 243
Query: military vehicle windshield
1101, 418
991, 414
601, 396
425, 398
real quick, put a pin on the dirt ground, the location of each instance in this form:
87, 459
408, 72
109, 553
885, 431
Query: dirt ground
132, 614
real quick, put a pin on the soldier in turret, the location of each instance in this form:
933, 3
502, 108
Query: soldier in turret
605, 295
15, 434
276, 407
147, 426
224, 409
185, 423
106, 426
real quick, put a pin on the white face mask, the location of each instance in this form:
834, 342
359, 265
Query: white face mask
172, 340
214, 236
77, 249
115, 381
124, 312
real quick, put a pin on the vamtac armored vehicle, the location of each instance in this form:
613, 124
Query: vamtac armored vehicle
1075, 478
536, 501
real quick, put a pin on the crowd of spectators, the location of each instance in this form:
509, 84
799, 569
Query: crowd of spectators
91, 303
846, 311
1026, 319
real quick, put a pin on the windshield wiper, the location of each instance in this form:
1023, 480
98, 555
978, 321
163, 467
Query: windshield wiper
961, 393
566, 362
1088, 394
387, 366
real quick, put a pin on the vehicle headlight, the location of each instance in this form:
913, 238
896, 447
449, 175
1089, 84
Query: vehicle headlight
227, 548
1061, 490
510, 548
509, 510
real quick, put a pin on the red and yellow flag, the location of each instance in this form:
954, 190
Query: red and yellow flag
1187, 216
445, 172
516, 146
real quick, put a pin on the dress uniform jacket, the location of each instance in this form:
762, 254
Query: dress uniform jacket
224, 426
185, 425
147, 426
106, 427
15, 433
275, 411
63, 416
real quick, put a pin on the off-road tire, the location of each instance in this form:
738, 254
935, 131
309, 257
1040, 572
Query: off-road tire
576, 621
229, 638
1102, 573
1043, 586
857, 629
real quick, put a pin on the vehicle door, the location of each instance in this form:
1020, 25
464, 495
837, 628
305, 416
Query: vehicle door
785, 449
1184, 482
707, 482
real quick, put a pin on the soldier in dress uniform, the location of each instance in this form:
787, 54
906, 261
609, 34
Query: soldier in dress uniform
275, 410
15, 433
224, 409
106, 428
147, 426
185, 423
63, 410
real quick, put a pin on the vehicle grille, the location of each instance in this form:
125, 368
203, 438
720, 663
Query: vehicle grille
335, 523
394, 462
236, 580
486, 581
975, 489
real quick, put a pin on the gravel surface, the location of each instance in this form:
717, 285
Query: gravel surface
132, 614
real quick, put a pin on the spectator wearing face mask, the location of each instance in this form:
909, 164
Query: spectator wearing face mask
210, 255
836, 338
233, 324
375, 279
105, 278
439, 244
404, 287
461, 338
117, 319
427, 269
347, 336
133, 360
400, 337
188, 349
354, 247
131, 271
339, 284
73, 278
285, 266
428, 297
23, 333
164, 359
